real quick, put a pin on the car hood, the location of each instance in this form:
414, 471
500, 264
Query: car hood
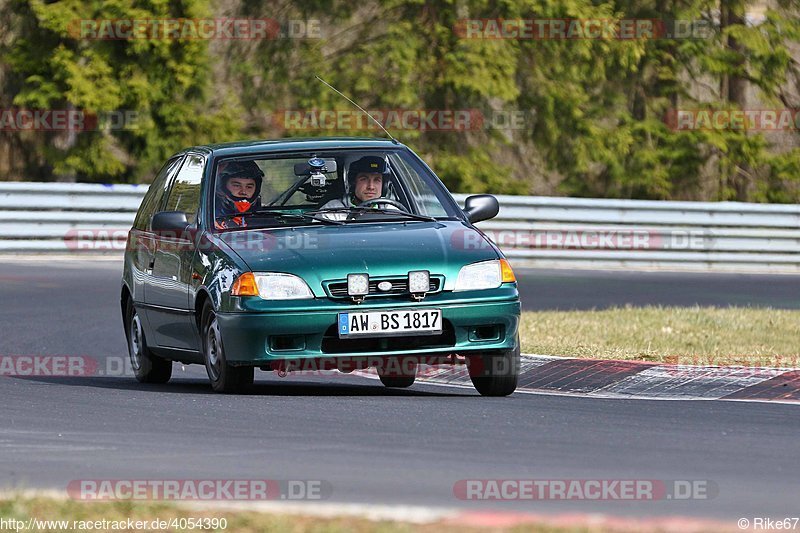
322, 253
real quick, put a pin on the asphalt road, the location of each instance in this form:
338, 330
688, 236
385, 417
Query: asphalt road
586, 289
371, 445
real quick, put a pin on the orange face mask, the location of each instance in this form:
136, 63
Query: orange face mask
242, 205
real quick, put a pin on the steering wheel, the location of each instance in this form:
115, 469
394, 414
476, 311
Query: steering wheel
378, 201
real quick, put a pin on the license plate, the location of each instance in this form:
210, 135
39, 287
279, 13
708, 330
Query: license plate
390, 323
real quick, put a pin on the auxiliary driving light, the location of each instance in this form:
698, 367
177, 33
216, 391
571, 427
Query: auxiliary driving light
419, 281
357, 284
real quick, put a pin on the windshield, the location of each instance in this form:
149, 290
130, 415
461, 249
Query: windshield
326, 187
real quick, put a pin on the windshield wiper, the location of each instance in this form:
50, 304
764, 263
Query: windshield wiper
237, 215
273, 214
313, 216
382, 211
404, 213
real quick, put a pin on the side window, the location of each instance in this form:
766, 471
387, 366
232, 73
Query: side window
155, 194
185, 193
427, 201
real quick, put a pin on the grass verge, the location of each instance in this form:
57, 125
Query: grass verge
113, 516
682, 335
87, 516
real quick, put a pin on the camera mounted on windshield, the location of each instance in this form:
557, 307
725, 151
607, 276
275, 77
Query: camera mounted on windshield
314, 182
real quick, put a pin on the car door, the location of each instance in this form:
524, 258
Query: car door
167, 293
142, 242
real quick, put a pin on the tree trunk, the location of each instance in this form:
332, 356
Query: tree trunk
733, 90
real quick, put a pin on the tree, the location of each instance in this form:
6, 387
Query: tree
161, 86
596, 110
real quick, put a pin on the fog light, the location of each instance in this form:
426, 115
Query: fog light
285, 343
419, 281
357, 284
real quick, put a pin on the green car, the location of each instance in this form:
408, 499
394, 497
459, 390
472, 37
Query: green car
315, 254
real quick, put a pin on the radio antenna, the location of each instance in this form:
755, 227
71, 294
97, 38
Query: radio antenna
337, 91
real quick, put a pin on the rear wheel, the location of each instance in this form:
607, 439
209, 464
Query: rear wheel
223, 376
147, 367
397, 374
495, 374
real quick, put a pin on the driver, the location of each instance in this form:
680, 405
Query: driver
238, 190
365, 180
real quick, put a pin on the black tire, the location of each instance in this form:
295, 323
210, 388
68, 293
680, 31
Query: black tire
147, 368
397, 375
495, 374
223, 376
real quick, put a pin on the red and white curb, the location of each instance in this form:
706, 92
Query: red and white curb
638, 379
495, 520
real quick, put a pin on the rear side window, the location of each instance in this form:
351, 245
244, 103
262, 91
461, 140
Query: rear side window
155, 194
185, 192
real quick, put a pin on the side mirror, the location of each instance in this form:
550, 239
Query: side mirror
481, 207
170, 221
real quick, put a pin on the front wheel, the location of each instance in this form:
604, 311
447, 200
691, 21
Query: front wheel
223, 376
495, 374
146, 367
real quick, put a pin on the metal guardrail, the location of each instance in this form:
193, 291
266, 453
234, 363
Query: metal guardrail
536, 231
598, 233
67, 218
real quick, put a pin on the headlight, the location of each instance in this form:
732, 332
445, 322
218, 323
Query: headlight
484, 275
271, 286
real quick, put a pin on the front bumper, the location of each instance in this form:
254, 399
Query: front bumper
472, 325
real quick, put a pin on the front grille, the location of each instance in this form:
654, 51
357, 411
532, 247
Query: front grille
338, 289
331, 343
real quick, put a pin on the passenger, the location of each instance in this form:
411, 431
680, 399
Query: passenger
238, 190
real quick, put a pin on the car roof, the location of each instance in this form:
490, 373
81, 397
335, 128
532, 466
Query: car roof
291, 144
